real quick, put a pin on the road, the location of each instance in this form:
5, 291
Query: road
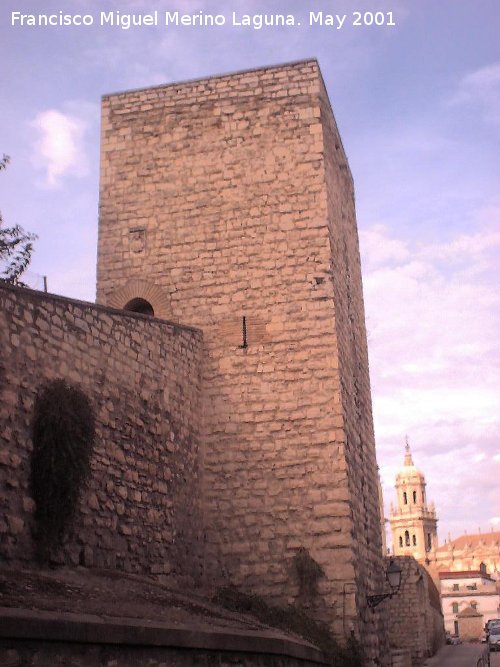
463, 655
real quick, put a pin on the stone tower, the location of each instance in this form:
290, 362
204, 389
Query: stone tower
413, 523
227, 203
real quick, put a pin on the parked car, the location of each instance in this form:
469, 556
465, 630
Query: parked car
490, 624
494, 637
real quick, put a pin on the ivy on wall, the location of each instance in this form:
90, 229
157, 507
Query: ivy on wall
63, 432
308, 572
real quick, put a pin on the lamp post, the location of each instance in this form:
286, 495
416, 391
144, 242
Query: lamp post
393, 576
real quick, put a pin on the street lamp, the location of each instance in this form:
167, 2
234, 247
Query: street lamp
393, 576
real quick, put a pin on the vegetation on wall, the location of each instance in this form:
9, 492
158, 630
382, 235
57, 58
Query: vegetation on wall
16, 247
63, 436
308, 572
292, 619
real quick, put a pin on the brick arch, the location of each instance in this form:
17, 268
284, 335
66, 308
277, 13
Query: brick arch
136, 288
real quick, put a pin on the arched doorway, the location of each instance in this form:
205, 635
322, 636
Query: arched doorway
139, 305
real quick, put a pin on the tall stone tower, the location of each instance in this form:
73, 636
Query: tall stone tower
413, 523
227, 204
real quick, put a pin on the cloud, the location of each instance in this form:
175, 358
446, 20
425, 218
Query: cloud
430, 304
59, 146
379, 249
480, 90
433, 319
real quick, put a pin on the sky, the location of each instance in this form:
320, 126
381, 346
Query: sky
418, 108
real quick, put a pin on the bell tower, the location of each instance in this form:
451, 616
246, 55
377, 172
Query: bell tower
413, 522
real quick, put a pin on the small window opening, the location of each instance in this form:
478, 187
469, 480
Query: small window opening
414, 496
414, 540
429, 542
407, 538
139, 305
400, 541
455, 607
244, 343
405, 498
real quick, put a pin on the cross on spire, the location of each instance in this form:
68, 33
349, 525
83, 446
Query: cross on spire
408, 458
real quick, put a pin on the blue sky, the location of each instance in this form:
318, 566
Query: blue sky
418, 107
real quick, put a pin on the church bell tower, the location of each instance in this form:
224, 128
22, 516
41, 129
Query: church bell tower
413, 522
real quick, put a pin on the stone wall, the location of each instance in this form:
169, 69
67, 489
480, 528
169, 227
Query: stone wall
231, 197
470, 624
356, 441
30, 638
142, 511
74, 654
415, 612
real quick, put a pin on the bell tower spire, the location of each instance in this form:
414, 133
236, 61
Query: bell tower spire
408, 457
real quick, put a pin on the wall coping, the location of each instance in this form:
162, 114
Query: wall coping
34, 625
57, 298
211, 77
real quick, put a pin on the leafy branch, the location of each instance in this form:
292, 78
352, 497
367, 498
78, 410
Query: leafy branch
16, 246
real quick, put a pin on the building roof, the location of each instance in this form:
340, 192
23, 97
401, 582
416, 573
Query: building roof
465, 574
409, 469
467, 612
487, 540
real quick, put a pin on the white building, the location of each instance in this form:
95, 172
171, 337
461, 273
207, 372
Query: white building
463, 592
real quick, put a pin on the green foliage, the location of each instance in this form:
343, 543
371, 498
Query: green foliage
308, 572
292, 619
16, 247
63, 432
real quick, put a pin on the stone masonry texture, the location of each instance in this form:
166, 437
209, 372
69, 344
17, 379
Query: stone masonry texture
230, 198
142, 510
415, 611
60, 654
